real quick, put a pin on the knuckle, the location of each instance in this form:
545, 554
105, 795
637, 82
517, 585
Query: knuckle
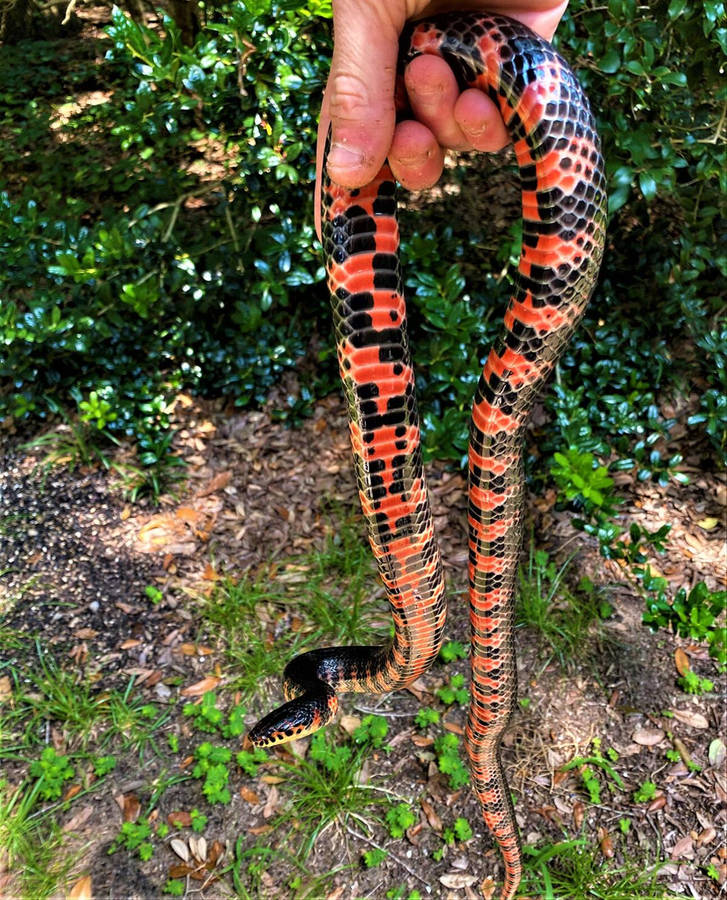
348, 96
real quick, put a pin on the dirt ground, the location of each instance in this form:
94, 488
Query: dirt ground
75, 571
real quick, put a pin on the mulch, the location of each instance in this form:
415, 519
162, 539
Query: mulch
77, 559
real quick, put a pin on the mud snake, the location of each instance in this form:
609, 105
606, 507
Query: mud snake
563, 208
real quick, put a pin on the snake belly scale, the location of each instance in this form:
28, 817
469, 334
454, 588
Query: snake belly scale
564, 214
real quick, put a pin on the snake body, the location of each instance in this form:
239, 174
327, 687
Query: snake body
563, 205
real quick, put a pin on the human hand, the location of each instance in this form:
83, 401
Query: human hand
359, 98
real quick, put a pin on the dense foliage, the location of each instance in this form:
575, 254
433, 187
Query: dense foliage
156, 231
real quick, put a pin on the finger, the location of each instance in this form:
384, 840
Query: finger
416, 158
360, 90
479, 121
432, 90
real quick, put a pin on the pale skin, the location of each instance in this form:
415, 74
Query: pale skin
359, 97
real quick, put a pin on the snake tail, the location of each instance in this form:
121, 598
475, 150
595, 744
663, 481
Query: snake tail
563, 234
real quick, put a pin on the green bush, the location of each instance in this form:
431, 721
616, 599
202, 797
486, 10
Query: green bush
130, 275
134, 276
146, 278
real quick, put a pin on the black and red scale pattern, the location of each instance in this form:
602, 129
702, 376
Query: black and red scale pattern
564, 201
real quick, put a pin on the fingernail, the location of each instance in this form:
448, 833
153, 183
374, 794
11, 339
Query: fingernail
342, 157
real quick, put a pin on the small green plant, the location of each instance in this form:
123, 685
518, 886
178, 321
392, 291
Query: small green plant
251, 760
212, 765
713, 872
452, 650
573, 869
582, 481
175, 887
646, 792
692, 683
375, 857
399, 818
461, 831
332, 757
198, 820
591, 784
588, 776
154, 594
51, 770
134, 836
399, 893
446, 746
454, 692
205, 715
371, 731
547, 604
694, 614
426, 716
326, 786
103, 765
96, 410
624, 825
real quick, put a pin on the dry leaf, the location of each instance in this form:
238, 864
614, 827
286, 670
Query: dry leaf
217, 483
709, 523
215, 854
130, 643
85, 634
81, 890
249, 796
188, 514
488, 888
272, 802
78, 819
694, 541
130, 808
180, 848
179, 819
605, 843
648, 737
716, 754
432, 816
198, 846
457, 880
71, 792
180, 870
201, 687
578, 813
683, 849
272, 779
681, 661
349, 723
454, 727
706, 836
693, 719
5, 689
209, 573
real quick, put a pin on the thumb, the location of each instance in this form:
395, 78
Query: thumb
360, 94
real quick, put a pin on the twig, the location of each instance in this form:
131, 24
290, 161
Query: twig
69, 11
